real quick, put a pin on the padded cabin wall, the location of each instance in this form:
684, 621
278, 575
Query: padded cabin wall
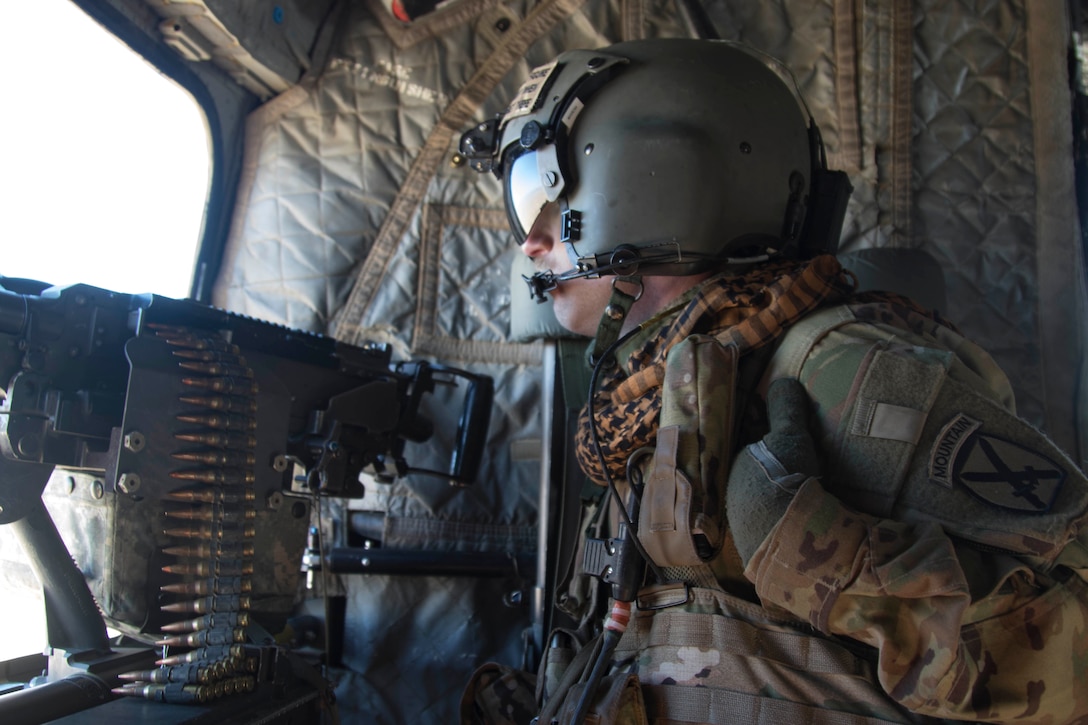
992, 193
353, 218
280, 33
915, 100
953, 121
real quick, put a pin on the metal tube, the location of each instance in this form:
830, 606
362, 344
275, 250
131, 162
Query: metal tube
544, 498
53, 700
72, 617
424, 563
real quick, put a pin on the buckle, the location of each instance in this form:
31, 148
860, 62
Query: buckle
663, 596
616, 562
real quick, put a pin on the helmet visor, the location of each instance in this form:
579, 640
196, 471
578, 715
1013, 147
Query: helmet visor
525, 195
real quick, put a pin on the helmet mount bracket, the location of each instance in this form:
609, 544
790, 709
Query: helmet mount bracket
570, 224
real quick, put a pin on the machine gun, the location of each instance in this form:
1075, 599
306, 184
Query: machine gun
190, 443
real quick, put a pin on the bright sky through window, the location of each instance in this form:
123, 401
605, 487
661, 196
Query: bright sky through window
105, 160
105, 177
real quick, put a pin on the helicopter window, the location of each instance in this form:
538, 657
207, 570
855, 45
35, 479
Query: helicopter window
106, 160
106, 171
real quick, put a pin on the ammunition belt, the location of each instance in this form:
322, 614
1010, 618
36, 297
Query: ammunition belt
209, 520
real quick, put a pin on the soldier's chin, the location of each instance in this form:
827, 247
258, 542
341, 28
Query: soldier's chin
572, 315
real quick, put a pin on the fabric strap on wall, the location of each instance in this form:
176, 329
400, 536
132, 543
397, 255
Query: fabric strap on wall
346, 324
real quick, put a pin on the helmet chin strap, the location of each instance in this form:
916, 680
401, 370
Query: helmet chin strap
613, 317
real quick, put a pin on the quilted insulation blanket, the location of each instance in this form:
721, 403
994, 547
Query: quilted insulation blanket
354, 218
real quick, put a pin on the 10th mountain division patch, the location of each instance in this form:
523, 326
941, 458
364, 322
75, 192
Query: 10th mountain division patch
999, 472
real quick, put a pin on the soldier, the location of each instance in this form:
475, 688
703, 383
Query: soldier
824, 505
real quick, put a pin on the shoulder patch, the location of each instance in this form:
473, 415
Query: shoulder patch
1007, 475
947, 448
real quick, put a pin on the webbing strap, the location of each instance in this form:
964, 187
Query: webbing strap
707, 705
794, 347
346, 326
574, 672
615, 312
730, 636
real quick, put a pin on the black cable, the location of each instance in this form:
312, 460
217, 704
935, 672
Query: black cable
595, 436
700, 20
610, 638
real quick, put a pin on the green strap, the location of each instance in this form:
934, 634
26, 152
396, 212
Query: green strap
792, 351
573, 372
571, 676
615, 312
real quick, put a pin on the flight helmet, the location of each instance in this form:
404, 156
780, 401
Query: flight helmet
666, 157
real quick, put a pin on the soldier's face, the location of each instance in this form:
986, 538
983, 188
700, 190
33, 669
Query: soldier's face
578, 303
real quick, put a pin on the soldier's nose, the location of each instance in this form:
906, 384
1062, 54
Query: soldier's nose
544, 232
536, 245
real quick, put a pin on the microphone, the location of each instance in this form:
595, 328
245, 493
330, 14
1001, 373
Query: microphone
540, 284
624, 259
543, 282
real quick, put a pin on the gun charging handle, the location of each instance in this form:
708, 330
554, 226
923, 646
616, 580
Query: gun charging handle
471, 426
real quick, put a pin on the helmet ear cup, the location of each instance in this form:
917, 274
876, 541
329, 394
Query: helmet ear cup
793, 224
638, 185
694, 144
696, 147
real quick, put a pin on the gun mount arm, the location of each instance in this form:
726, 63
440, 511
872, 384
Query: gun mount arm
72, 617
188, 419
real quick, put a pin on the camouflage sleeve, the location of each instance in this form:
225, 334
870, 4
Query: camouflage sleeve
900, 588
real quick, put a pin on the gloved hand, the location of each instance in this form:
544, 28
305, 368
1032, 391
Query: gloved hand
766, 474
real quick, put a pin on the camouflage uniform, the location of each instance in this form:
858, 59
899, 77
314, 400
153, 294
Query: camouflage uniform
962, 571
943, 644
797, 606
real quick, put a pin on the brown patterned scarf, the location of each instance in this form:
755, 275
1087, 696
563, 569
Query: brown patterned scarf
750, 310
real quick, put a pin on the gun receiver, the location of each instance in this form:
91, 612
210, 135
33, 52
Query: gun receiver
197, 424
78, 362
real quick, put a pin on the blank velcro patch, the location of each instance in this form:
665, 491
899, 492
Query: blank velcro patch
884, 420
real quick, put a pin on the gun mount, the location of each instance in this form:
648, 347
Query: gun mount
203, 437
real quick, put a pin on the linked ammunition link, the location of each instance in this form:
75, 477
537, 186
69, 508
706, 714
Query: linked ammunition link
209, 518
